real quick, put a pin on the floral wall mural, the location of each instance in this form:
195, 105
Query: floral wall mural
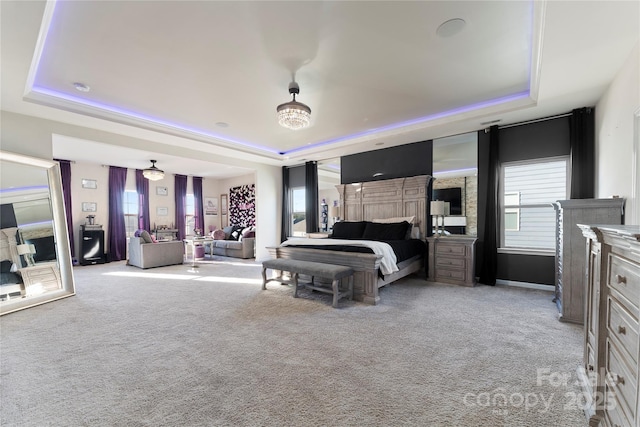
242, 205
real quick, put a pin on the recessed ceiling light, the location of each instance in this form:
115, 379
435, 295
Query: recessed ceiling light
222, 125
81, 87
451, 27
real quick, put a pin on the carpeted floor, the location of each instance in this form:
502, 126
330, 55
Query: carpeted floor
174, 347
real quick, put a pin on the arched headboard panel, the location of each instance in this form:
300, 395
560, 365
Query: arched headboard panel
399, 197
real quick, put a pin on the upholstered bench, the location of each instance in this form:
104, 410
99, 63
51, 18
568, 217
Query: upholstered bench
314, 269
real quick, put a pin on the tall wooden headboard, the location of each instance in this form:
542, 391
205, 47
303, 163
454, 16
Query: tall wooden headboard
8, 246
386, 199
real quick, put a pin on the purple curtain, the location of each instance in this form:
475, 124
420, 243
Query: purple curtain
65, 171
198, 203
117, 230
142, 187
181, 201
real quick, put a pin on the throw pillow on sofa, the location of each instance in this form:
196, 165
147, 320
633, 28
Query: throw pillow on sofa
145, 236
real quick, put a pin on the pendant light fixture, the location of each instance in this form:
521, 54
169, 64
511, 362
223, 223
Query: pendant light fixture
293, 114
153, 173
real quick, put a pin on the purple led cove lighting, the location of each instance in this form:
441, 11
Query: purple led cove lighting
465, 109
152, 120
16, 189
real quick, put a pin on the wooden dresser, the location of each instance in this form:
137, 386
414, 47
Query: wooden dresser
452, 259
570, 262
609, 373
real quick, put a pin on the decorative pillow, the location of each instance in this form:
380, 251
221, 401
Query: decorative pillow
10, 279
153, 239
409, 219
249, 232
227, 231
382, 231
348, 229
236, 233
245, 232
145, 236
5, 266
219, 235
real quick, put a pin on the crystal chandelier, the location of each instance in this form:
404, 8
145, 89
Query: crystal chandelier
153, 173
294, 115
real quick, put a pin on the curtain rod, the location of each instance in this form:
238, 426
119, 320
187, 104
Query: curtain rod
532, 121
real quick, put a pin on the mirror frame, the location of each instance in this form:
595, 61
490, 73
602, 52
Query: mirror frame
60, 233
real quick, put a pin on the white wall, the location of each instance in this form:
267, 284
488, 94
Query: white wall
617, 145
33, 136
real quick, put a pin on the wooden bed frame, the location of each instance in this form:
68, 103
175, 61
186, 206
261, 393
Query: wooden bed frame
367, 201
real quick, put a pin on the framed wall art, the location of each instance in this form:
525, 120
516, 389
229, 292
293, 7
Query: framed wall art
211, 206
90, 183
89, 207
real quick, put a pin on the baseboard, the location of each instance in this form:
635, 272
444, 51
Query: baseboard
538, 286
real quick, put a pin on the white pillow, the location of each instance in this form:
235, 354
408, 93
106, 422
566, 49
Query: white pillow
409, 219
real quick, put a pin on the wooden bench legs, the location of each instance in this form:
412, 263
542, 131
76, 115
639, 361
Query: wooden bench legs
334, 289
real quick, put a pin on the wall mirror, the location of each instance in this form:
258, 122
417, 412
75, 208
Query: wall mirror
455, 169
35, 255
224, 213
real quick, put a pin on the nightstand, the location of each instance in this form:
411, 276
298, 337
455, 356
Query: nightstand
44, 275
452, 260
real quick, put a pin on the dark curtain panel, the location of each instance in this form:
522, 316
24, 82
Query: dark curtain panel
117, 229
583, 152
65, 171
286, 205
181, 201
489, 266
311, 196
142, 188
198, 203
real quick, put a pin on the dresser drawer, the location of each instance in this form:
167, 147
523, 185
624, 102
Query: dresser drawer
447, 248
624, 328
614, 416
624, 277
451, 262
621, 381
445, 274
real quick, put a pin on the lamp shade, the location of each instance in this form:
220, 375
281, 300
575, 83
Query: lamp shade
437, 207
26, 249
334, 211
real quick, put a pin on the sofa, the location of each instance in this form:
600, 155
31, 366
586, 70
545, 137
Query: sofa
149, 255
234, 241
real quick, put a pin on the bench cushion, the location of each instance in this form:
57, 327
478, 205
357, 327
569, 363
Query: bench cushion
327, 271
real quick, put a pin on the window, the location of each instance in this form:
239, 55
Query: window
512, 215
298, 213
190, 212
131, 213
528, 218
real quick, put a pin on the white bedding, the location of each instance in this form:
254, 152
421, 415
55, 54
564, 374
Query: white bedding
387, 263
